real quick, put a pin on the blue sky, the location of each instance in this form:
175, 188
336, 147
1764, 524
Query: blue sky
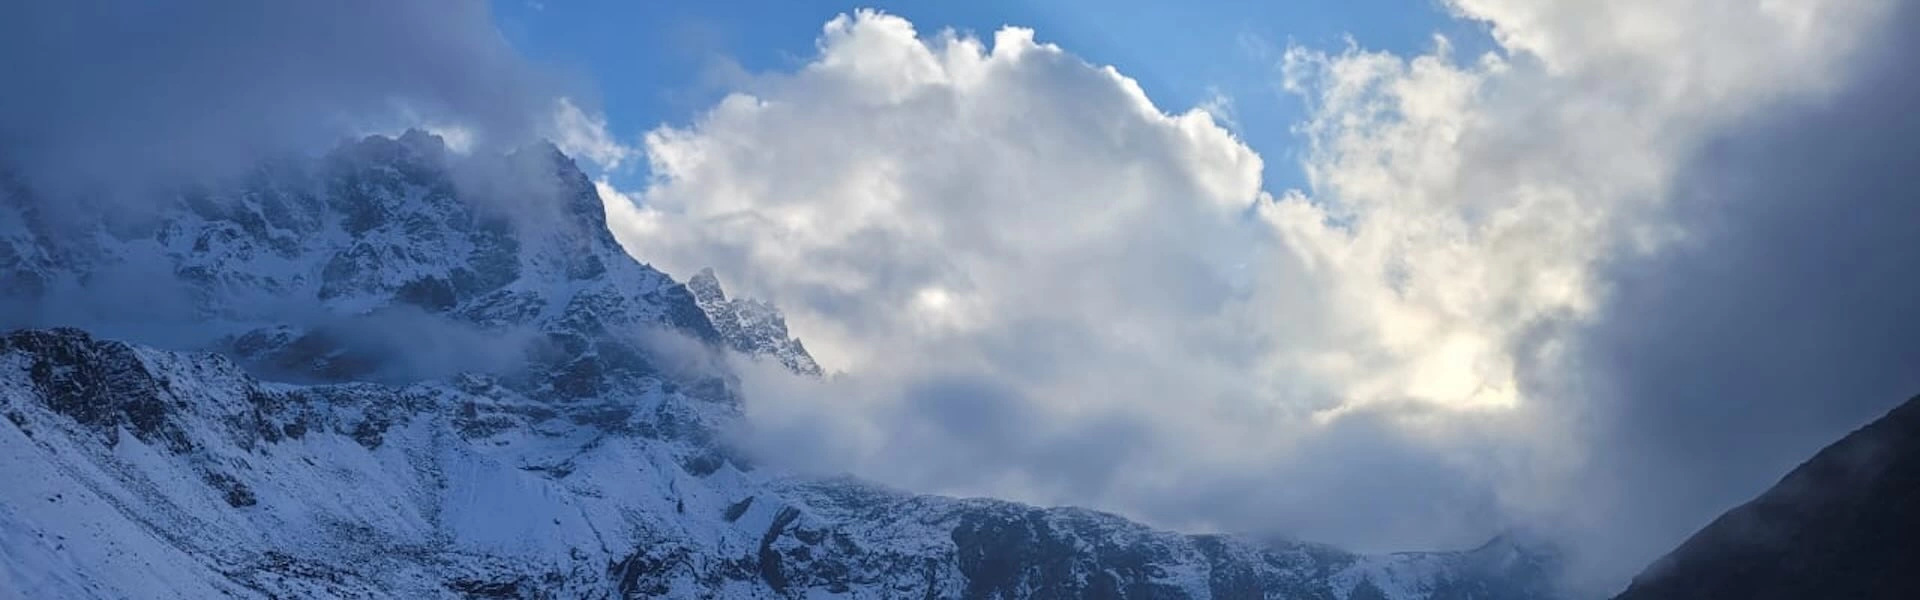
660, 62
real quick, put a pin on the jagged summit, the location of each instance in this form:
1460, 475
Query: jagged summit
752, 327
333, 269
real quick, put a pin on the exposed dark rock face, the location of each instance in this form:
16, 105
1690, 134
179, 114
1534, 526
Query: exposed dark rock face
1846, 524
103, 386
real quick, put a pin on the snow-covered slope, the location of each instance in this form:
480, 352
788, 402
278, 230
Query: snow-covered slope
150, 474
418, 387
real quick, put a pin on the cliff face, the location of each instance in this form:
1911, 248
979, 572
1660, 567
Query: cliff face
1846, 524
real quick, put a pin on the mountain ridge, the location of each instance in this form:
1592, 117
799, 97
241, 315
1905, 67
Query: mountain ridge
1843, 524
411, 383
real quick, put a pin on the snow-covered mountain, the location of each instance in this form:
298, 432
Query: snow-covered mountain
412, 374
343, 269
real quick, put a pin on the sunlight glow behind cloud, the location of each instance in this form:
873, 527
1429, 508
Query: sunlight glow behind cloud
933, 210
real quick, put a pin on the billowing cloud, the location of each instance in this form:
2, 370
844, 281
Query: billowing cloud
584, 135
998, 232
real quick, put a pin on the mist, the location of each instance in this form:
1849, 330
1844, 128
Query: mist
109, 96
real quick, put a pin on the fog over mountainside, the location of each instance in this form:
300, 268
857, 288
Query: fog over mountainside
586, 449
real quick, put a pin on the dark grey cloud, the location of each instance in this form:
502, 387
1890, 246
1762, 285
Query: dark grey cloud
103, 92
1786, 320
1361, 480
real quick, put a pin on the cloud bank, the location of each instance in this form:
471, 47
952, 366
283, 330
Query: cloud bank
104, 91
1040, 285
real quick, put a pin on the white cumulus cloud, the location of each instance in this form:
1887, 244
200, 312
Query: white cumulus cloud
584, 135
1036, 283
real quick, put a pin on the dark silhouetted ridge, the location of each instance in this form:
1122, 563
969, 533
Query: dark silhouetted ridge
1846, 524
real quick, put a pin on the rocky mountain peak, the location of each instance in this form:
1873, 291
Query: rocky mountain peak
705, 286
752, 327
383, 252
